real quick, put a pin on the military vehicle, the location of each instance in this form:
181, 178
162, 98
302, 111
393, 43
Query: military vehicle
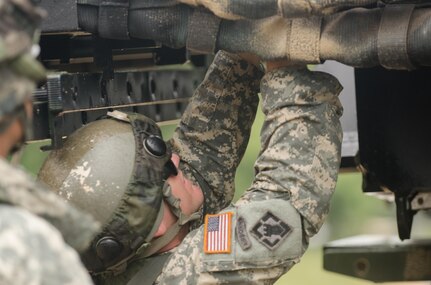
130, 55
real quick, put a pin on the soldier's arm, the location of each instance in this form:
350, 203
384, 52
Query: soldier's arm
215, 128
296, 174
300, 142
296, 170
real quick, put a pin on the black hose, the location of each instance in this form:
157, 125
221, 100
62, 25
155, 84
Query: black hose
419, 41
351, 37
166, 25
395, 36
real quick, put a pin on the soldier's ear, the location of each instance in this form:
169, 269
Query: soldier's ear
163, 227
175, 159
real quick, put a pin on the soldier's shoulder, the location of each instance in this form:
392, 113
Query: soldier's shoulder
22, 235
24, 225
32, 251
20, 189
14, 176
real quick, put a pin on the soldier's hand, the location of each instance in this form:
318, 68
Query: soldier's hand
251, 58
279, 63
269, 65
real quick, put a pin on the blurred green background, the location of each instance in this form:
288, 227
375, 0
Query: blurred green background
352, 213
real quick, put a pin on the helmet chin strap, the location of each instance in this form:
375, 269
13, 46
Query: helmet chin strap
151, 246
159, 243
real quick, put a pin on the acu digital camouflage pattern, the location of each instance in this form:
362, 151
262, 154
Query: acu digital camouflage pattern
32, 252
298, 166
32, 249
301, 142
214, 131
19, 189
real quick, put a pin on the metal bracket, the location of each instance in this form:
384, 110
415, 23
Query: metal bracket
404, 216
69, 101
421, 201
379, 258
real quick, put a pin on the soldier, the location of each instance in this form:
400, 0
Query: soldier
184, 230
33, 221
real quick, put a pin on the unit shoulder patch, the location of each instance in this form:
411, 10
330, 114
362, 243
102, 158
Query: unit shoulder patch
242, 234
270, 230
217, 233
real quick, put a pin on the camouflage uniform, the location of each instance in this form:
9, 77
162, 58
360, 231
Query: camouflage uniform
296, 171
34, 223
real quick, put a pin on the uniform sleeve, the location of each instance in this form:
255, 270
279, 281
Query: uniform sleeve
32, 252
300, 143
214, 130
269, 227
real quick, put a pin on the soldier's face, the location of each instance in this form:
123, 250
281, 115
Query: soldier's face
190, 195
29, 108
26, 125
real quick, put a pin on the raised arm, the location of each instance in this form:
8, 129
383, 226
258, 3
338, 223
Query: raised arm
295, 177
301, 142
214, 131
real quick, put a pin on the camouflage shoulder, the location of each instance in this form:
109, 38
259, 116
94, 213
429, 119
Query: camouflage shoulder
19, 189
33, 252
19, 20
251, 243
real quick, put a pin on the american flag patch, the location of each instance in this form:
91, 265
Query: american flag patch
217, 232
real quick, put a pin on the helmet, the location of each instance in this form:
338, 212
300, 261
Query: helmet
114, 168
19, 69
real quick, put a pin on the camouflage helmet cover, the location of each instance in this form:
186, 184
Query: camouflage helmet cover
106, 169
19, 21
